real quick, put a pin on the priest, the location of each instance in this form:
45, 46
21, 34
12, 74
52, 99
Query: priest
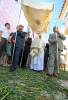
37, 54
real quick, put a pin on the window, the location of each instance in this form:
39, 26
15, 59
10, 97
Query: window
66, 15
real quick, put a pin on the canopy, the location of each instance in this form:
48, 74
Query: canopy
37, 14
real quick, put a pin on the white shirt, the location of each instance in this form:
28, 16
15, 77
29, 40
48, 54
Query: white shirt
5, 32
64, 52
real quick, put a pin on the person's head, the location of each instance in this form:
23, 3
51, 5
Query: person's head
64, 47
38, 32
21, 27
55, 28
40, 36
28, 35
17, 27
7, 25
11, 34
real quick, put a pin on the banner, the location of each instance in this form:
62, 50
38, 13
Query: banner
38, 14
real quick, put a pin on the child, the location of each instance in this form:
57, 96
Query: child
63, 58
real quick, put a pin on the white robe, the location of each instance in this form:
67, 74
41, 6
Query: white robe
39, 59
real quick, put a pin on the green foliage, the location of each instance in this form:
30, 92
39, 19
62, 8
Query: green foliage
25, 84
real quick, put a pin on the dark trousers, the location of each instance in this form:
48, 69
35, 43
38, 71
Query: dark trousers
46, 59
24, 59
15, 58
2, 45
20, 57
45, 64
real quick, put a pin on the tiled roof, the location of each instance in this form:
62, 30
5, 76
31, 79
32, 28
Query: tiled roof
62, 7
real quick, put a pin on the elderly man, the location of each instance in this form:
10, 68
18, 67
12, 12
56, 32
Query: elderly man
21, 36
37, 60
53, 67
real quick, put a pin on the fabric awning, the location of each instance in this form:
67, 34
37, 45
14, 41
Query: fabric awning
66, 31
37, 14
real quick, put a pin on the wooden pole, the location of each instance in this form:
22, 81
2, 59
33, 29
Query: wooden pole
56, 33
16, 32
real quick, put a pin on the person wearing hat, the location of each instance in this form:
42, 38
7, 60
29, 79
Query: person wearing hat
37, 54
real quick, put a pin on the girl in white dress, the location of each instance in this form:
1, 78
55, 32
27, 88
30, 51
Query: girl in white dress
63, 58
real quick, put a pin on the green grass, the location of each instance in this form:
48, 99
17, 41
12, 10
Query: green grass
25, 84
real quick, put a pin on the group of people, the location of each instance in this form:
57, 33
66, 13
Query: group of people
43, 55
51, 56
14, 46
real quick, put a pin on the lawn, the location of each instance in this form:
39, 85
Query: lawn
25, 84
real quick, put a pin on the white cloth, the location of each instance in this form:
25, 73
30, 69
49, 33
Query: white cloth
62, 57
38, 5
35, 42
62, 60
40, 63
37, 63
5, 31
35, 46
38, 14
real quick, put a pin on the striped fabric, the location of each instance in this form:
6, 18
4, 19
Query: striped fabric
9, 12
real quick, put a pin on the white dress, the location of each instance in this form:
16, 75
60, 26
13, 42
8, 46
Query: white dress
63, 58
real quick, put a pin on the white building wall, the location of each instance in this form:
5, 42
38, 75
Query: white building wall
65, 23
65, 26
9, 12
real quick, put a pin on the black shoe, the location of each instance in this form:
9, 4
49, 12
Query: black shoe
23, 67
55, 75
49, 74
12, 70
39, 71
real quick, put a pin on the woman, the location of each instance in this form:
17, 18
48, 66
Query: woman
7, 52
